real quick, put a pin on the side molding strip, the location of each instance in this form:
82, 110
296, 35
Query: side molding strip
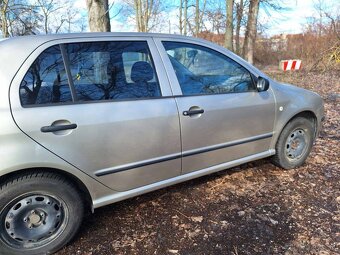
226, 145
126, 167
136, 165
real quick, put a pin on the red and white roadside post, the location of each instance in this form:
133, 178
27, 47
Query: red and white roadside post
291, 64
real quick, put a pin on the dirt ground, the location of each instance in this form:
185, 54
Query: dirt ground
255, 208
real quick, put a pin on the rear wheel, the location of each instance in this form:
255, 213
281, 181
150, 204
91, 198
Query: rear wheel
40, 212
294, 144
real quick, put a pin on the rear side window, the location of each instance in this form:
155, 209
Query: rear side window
112, 70
46, 81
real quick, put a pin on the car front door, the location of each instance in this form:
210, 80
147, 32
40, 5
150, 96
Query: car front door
103, 106
223, 117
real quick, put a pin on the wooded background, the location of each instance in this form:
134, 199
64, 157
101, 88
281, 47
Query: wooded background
233, 24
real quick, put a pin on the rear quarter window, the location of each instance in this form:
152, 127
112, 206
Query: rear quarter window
46, 81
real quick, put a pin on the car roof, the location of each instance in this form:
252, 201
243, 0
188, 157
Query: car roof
50, 37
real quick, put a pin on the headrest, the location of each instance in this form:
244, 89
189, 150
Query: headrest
141, 71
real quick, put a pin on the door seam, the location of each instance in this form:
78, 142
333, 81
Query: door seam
175, 99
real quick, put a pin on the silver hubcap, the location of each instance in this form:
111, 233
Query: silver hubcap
296, 144
33, 221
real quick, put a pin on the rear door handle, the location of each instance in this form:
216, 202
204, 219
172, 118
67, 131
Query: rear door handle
193, 112
55, 128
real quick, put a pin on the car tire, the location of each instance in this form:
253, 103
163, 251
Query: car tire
40, 212
294, 143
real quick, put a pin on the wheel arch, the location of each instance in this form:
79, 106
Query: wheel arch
308, 114
81, 187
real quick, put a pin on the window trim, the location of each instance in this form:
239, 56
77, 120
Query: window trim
252, 76
65, 58
127, 100
96, 102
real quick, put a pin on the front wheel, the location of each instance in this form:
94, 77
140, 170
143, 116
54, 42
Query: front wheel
39, 213
294, 144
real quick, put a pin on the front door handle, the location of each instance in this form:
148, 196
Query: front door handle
55, 128
193, 112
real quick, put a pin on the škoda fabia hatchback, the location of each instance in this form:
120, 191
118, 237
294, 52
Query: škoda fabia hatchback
91, 119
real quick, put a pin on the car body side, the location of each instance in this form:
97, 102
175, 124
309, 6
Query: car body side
19, 152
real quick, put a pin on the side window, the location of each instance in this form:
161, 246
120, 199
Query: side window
201, 70
112, 70
46, 81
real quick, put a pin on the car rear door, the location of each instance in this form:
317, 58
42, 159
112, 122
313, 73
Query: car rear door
223, 118
102, 105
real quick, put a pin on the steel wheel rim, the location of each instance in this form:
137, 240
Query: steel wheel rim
33, 220
296, 144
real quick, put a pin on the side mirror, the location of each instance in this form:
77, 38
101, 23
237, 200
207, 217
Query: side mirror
262, 84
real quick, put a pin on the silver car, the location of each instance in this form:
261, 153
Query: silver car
90, 119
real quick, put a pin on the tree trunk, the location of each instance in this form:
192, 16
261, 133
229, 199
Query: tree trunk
3, 17
197, 18
201, 15
46, 23
147, 13
228, 40
239, 15
135, 2
185, 16
180, 17
144, 12
139, 16
98, 15
250, 36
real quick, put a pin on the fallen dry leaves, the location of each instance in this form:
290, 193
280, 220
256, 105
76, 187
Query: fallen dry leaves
255, 208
